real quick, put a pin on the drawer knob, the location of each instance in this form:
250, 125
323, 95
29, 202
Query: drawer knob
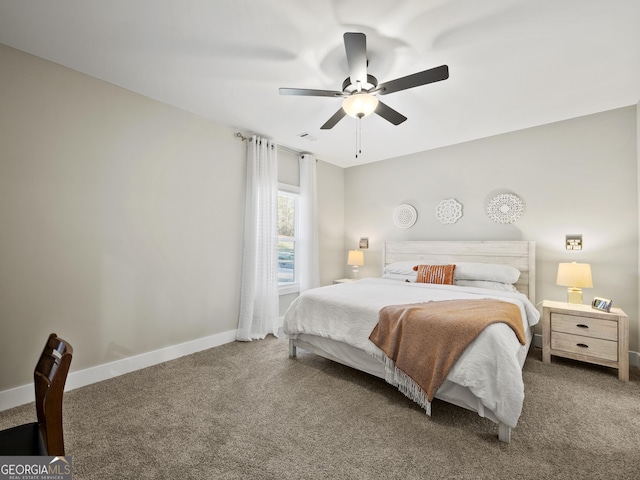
582, 345
582, 325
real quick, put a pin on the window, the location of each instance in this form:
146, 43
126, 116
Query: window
287, 226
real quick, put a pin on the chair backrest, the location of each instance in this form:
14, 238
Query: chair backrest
49, 377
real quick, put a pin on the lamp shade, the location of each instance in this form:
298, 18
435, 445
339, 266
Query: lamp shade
577, 275
356, 257
360, 105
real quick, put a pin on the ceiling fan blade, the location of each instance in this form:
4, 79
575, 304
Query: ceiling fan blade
311, 93
421, 78
355, 45
333, 120
389, 114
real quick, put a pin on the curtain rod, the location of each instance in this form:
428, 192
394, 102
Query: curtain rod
286, 149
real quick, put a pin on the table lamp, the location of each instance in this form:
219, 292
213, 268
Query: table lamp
355, 258
574, 276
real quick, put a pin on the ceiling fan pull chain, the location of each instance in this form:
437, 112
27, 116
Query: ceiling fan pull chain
358, 136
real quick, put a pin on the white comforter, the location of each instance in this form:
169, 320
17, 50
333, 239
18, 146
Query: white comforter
349, 312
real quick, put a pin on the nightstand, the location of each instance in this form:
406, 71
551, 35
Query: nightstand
344, 280
583, 333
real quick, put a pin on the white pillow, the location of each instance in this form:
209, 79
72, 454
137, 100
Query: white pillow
491, 272
403, 268
503, 287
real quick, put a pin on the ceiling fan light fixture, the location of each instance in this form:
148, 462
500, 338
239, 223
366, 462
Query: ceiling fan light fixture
360, 105
359, 89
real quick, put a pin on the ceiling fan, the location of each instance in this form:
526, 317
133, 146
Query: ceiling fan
360, 90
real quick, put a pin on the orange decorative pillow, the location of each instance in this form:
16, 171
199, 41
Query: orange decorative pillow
440, 274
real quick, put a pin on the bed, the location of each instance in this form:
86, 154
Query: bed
335, 321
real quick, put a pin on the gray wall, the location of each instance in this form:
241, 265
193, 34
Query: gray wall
331, 221
575, 177
121, 219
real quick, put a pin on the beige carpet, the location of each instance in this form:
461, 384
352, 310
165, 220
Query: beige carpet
247, 411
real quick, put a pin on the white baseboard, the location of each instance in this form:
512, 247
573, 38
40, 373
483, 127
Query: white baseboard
634, 357
24, 394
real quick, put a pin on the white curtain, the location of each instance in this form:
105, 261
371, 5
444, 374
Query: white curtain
259, 283
308, 248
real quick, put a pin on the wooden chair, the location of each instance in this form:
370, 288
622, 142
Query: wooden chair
43, 437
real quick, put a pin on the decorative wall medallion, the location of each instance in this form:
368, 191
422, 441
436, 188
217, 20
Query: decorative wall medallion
449, 211
505, 208
405, 216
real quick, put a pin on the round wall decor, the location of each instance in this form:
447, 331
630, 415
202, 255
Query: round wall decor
405, 216
505, 208
449, 211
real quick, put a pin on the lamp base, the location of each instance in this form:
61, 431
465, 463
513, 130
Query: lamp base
355, 271
574, 295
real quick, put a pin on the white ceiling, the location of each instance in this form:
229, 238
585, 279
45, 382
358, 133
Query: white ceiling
513, 63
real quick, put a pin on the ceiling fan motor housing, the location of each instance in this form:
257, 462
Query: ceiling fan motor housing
348, 87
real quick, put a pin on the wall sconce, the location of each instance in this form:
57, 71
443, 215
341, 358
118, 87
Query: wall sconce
575, 276
355, 258
573, 242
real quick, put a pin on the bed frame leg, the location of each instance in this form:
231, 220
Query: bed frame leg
292, 348
504, 433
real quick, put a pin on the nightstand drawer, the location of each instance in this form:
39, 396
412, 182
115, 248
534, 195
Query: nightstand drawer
588, 327
591, 347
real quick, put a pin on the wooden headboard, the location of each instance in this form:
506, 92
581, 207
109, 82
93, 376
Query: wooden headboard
519, 254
